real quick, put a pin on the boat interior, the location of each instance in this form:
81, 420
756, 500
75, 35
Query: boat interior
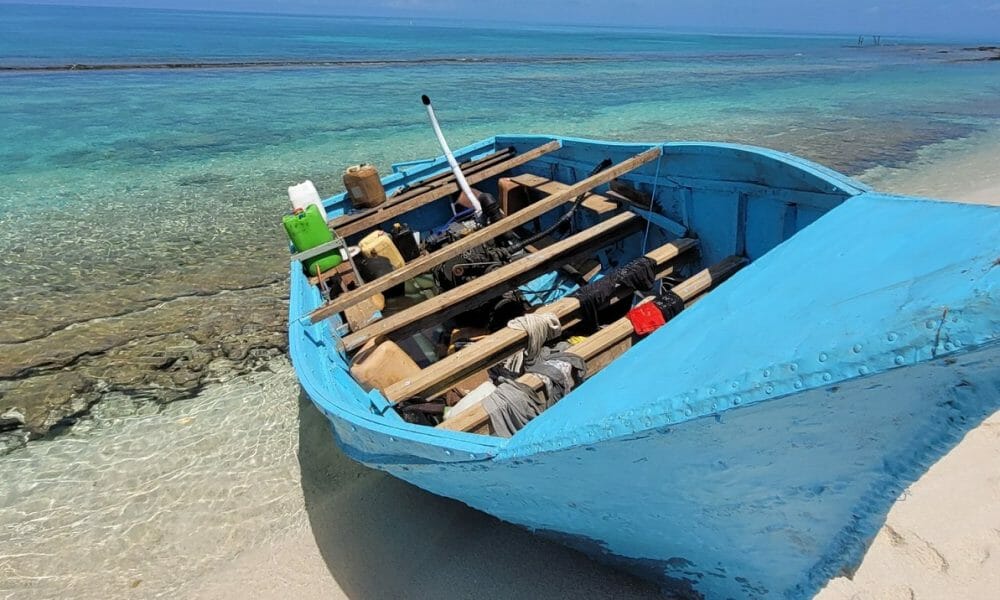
478, 320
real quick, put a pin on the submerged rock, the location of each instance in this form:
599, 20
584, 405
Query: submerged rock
12, 419
161, 353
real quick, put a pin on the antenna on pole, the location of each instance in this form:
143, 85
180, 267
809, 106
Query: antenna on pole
462, 183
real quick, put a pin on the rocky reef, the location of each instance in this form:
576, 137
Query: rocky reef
155, 309
163, 352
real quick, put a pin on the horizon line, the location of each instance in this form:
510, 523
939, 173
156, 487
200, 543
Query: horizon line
689, 30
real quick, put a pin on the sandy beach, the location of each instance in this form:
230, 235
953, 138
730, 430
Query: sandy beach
942, 537
370, 535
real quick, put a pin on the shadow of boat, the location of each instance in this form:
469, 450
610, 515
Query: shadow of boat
383, 538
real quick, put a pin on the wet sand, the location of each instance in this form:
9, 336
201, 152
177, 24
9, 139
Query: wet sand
370, 535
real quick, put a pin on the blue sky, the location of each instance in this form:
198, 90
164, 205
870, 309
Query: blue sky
954, 19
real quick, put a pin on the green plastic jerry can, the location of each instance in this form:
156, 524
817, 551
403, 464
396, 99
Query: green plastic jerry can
307, 229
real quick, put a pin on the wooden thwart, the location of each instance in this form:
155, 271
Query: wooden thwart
405, 206
478, 238
447, 176
426, 185
497, 282
602, 345
440, 376
601, 348
594, 202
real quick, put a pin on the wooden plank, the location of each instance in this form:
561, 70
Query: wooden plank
600, 349
608, 354
536, 181
343, 269
468, 167
597, 351
438, 377
401, 208
425, 263
361, 314
708, 278
599, 205
497, 282
594, 270
425, 185
593, 202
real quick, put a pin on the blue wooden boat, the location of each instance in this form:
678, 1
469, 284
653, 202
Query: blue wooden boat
752, 446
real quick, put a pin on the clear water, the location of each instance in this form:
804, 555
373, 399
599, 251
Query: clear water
137, 494
121, 188
175, 176
240, 493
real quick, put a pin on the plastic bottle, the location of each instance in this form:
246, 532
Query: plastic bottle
403, 238
382, 365
364, 187
304, 194
307, 229
379, 243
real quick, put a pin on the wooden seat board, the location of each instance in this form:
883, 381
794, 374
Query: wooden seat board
424, 185
438, 377
425, 263
601, 348
405, 206
497, 282
594, 202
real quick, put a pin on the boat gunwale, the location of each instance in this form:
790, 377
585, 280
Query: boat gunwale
456, 445
840, 183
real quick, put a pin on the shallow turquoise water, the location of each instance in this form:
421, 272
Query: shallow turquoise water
181, 173
171, 178
174, 179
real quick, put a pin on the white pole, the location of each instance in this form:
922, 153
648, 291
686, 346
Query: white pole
462, 183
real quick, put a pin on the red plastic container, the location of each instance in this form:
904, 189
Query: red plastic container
646, 318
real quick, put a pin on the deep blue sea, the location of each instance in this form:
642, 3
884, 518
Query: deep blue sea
136, 203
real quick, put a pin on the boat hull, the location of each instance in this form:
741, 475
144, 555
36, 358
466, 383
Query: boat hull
753, 447
768, 500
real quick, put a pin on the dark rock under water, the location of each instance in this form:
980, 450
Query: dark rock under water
160, 353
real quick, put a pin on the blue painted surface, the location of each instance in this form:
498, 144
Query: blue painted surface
753, 446
775, 497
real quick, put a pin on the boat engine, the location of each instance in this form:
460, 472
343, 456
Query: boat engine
474, 263
469, 265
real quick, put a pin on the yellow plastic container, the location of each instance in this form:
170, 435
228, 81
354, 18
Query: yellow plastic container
379, 243
380, 366
364, 186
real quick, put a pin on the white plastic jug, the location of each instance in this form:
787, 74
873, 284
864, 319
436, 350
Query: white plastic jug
472, 398
304, 194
